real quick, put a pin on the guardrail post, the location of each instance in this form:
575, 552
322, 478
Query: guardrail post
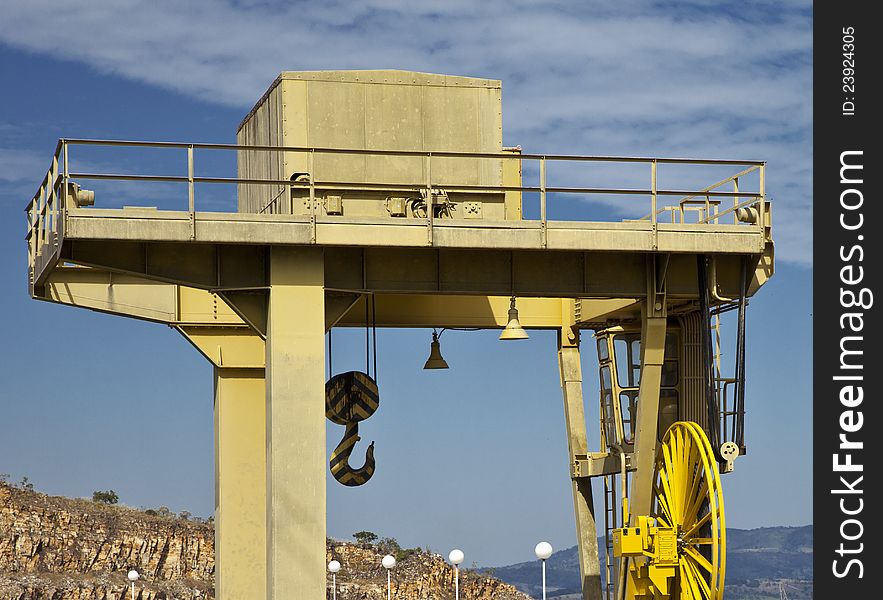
430, 208
52, 210
65, 184
191, 192
32, 237
653, 209
41, 218
543, 223
735, 199
312, 176
761, 209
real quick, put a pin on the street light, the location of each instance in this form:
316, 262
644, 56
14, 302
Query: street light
334, 567
388, 563
543, 551
133, 577
456, 557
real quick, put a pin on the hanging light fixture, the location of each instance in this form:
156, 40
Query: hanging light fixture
435, 360
513, 330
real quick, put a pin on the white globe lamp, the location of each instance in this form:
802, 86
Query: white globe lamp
456, 557
133, 576
334, 567
543, 550
388, 562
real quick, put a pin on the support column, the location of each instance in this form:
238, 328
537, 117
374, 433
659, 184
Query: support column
240, 484
295, 425
652, 356
577, 443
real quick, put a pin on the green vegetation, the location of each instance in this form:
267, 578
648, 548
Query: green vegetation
108, 497
365, 537
387, 545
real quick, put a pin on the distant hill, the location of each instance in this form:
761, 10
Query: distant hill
758, 561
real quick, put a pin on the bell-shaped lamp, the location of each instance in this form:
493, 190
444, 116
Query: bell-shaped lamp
513, 330
435, 360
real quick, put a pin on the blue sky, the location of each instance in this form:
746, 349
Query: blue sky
90, 401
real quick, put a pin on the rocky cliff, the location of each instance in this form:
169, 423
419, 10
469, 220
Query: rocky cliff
54, 548
419, 576
65, 549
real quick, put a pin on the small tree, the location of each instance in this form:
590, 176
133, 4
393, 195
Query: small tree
389, 545
365, 537
184, 514
26, 484
108, 497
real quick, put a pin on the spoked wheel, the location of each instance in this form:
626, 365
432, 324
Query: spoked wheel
688, 497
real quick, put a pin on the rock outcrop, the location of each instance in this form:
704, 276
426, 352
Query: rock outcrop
419, 576
63, 548
55, 548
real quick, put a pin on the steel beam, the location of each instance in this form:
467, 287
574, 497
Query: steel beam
295, 424
646, 430
240, 485
200, 314
136, 296
574, 415
229, 269
242, 228
227, 347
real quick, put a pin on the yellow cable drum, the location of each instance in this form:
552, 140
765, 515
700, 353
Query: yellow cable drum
689, 499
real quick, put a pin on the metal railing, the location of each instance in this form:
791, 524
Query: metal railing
47, 209
709, 210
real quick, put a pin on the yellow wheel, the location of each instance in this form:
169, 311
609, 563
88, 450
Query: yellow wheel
688, 497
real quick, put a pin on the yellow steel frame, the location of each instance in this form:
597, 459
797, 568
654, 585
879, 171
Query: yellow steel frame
255, 293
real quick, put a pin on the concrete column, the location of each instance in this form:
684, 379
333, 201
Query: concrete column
653, 328
583, 506
295, 425
240, 485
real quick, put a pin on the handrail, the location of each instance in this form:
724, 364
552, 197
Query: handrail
48, 208
396, 186
444, 154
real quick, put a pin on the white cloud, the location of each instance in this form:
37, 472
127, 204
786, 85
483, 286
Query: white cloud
18, 166
637, 79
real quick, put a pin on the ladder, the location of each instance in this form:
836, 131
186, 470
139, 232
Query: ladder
610, 502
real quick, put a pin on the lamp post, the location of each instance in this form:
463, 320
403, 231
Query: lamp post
456, 557
388, 563
334, 567
133, 577
543, 551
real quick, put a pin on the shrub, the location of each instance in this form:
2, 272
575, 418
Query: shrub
403, 553
365, 537
389, 545
108, 497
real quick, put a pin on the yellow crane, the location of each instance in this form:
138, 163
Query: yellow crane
387, 199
